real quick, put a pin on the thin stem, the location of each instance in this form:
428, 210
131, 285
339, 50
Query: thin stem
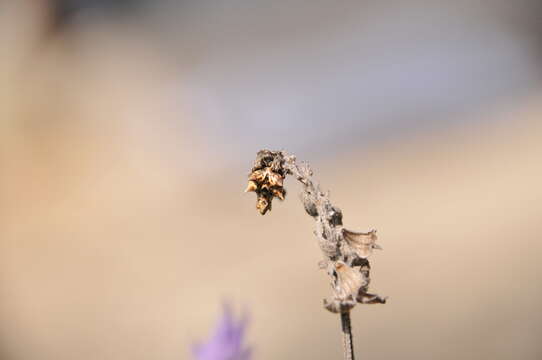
348, 344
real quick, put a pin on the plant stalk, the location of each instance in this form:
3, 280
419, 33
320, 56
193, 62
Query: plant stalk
348, 344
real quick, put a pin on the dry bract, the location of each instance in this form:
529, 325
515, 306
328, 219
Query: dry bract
359, 243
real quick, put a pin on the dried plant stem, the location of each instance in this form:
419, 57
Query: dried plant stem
348, 344
345, 252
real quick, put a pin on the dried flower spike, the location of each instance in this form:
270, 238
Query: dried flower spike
345, 252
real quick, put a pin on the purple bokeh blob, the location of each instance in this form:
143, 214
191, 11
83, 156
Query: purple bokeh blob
226, 342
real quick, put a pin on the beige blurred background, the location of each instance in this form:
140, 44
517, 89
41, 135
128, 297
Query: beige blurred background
127, 130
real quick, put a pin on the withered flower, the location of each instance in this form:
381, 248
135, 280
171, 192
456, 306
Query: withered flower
345, 252
349, 285
267, 179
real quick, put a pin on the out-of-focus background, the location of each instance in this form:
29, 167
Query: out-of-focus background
127, 129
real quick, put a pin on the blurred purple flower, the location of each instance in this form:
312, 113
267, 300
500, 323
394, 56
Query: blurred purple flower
226, 343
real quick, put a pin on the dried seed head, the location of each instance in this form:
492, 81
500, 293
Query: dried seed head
267, 179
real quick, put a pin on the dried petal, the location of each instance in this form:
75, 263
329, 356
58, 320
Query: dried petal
252, 186
362, 244
258, 176
349, 281
275, 179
